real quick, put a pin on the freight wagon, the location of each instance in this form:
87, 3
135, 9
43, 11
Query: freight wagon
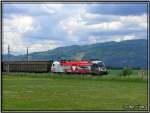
26, 66
81, 67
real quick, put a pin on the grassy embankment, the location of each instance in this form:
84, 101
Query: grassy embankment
46, 91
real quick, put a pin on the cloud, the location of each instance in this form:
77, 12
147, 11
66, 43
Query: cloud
79, 28
92, 39
18, 44
18, 23
52, 8
14, 29
46, 26
71, 25
44, 45
73, 21
125, 37
95, 17
14, 40
103, 19
105, 26
117, 38
140, 20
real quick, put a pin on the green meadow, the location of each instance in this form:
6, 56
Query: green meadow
47, 91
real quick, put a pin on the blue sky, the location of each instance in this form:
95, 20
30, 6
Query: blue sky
42, 27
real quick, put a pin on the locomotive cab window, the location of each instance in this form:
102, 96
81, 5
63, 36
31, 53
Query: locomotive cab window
101, 64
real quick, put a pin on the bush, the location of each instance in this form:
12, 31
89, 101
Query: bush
126, 71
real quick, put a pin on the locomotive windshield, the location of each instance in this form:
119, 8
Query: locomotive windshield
101, 64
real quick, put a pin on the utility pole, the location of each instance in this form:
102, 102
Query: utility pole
8, 57
28, 60
27, 55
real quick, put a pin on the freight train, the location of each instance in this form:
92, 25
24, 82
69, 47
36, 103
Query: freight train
81, 67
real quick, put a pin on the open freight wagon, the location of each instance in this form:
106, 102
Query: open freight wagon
26, 66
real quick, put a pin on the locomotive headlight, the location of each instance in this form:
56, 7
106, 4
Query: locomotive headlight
100, 69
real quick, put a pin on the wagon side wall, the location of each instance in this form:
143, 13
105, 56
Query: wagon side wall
30, 66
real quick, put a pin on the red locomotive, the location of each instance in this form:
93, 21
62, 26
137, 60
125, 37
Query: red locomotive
81, 67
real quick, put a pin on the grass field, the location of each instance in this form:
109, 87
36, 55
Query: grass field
46, 91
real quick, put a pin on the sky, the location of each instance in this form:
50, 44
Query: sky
46, 26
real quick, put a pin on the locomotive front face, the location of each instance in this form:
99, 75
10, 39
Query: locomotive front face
56, 67
98, 68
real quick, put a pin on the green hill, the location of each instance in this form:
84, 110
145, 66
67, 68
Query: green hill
118, 54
